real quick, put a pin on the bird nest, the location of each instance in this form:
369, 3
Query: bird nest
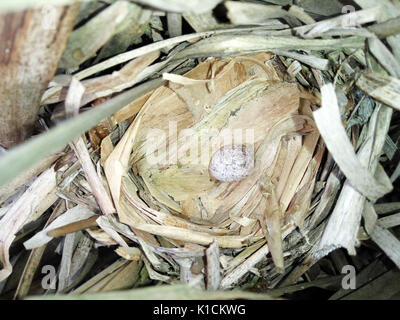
243, 151
227, 154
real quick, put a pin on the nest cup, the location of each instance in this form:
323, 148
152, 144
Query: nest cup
165, 188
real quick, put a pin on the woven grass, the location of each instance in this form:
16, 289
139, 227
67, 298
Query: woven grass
118, 193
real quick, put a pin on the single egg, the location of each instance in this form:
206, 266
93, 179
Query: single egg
232, 163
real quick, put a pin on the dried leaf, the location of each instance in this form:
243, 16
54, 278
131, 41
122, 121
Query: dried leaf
75, 214
381, 87
33, 203
329, 124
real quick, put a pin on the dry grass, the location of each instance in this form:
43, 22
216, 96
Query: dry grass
84, 197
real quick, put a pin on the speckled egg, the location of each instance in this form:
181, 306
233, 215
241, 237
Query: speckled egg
232, 163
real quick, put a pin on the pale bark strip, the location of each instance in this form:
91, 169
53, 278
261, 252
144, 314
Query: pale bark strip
213, 267
381, 87
351, 19
72, 215
237, 273
31, 45
101, 28
387, 207
66, 260
98, 189
370, 217
387, 242
299, 13
344, 222
245, 13
384, 56
390, 221
104, 224
74, 98
72, 105
174, 21
312, 61
80, 260
21, 212
34, 258
329, 124
226, 45
192, 236
20, 181
386, 29
30, 268
328, 198
271, 217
